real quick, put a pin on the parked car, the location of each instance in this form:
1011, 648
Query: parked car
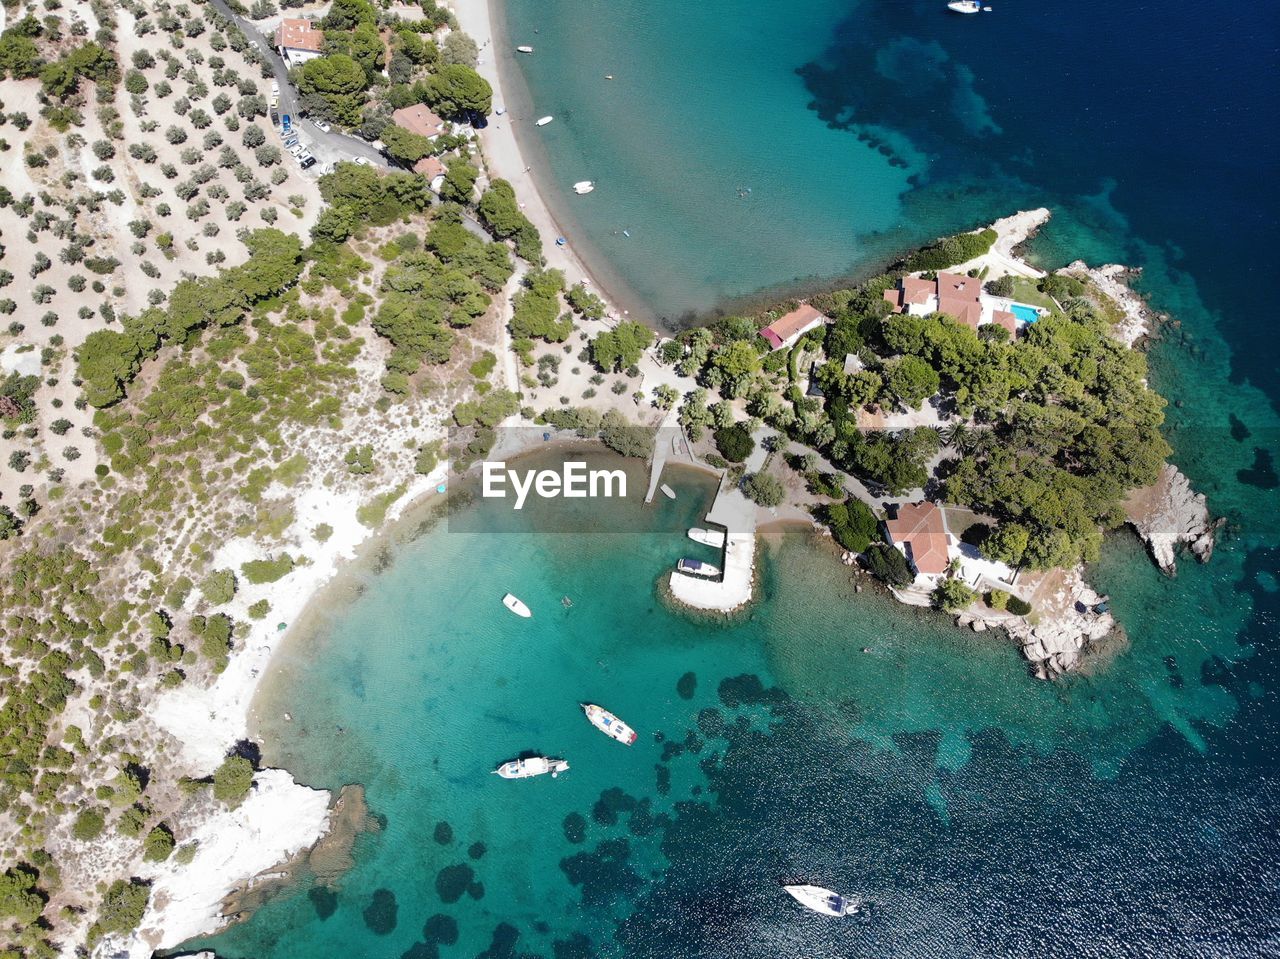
364, 161
321, 125
286, 123
306, 160
275, 118
296, 150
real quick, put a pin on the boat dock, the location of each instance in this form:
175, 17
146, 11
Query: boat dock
737, 515
669, 441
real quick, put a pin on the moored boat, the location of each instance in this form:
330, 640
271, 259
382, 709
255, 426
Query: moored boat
824, 901
543, 121
532, 766
964, 6
696, 567
707, 537
583, 186
514, 604
524, 49
609, 724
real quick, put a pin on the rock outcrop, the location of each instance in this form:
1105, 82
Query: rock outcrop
1170, 513
1111, 279
1066, 627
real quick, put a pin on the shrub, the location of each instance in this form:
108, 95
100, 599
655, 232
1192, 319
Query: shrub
952, 595
734, 442
219, 587
998, 599
88, 825
158, 845
260, 571
888, 565
852, 524
1019, 606
232, 780
951, 251
764, 489
1003, 286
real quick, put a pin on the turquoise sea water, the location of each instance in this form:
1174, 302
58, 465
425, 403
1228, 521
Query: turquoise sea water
1131, 812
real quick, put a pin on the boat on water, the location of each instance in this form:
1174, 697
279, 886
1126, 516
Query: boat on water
696, 567
583, 186
707, 537
667, 491
524, 49
965, 6
543, 121
532, 766
609, 724
516, 606
824, 901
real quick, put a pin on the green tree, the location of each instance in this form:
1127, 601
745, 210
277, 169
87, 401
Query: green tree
232, 780
912, 381
852, 524
622, 346
459, 180
736, 363
340, 80
952, 595
500, 212
888, 565
88, 824
20, 898
456, 90
219, 587
158, 845
735, 442
405, 146
764, 489
122, 909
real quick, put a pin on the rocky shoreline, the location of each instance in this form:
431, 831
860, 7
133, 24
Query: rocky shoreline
1169, 514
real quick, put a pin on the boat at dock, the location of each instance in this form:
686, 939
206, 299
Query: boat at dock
696, 567
583, 186
532, 766
516, 606
824, 901
707, 537
609, 724
667, 491
543, 121
524, 49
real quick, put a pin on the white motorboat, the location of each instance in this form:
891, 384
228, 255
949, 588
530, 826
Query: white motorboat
533, 766
824, 901
609, 724
524, 49
543, 121
964, 6
583, 186
514, 604
707, 537
696, 567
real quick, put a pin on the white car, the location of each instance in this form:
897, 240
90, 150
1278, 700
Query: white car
322, 126
296, 150
364, 161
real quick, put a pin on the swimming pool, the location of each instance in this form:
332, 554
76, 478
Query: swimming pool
1026, 314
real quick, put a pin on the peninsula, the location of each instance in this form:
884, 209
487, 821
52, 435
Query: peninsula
258, 265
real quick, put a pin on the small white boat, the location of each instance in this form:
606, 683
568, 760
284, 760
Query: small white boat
583, 186
964, 6
696, 567
707, 537
824, 900
543, 121
667, 491
514, 604
524, 49
533, 766
609, 724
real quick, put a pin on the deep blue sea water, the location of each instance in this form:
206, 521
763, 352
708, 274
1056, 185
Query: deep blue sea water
1133, 812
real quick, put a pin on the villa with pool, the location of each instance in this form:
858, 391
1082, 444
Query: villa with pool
962, 298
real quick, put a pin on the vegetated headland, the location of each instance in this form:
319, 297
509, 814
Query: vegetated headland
223, 370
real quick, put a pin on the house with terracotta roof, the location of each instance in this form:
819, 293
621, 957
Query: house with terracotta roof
919, 531
960, 297
420, 120
297, 40
786, 330
433, 169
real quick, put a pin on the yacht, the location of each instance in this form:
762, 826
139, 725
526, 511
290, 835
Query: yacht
824, 900
583, 186
524, 49
707, 537
516, 606
533, 766
696, 567
543, 121
609, 724
965, 6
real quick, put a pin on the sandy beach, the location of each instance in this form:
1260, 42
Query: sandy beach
507, 161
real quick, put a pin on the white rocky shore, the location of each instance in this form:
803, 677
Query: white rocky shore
278, 820
1170, 514
1138, 321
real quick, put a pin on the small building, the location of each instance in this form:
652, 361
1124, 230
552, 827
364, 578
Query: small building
785, 331
1007, 320
960, 297
418, 119
919, 531
433, 169
298, 40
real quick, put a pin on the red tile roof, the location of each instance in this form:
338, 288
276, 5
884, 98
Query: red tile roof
1007, 320
922, 530
430, 167
958, 298
298, 34
917, 290
796, 322
418, 119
